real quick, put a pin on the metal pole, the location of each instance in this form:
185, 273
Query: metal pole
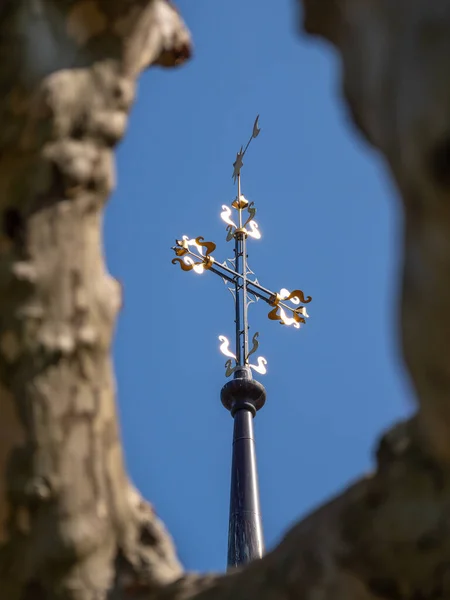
237, 287
243, 396
240, 255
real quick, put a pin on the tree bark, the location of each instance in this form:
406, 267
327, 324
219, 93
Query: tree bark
396, 85
71, 524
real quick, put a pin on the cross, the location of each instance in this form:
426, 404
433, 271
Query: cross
196, 255
242, 395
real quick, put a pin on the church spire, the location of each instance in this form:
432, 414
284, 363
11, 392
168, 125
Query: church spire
242, 395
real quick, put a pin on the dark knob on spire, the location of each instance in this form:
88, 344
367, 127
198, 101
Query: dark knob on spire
243, 392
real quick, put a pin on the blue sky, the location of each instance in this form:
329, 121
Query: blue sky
330, 225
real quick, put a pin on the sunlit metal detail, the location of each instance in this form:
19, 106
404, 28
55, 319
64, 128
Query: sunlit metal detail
190, 260
255, 344
251, 300
279, 314
198, 243
295, 297
253, 230
298, 312
225, 215
187, 264
194, 254
251, 212
229, 369
261, 366
249, 227
225, 347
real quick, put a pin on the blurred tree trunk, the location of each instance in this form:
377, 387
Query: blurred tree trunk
71, 525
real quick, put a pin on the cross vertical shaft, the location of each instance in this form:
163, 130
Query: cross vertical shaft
240, 256
243, 397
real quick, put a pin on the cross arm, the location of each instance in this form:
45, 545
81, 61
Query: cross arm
200, 260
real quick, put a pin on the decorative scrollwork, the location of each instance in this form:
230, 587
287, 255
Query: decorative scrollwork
255, 345
232, 292
252, 212
261, 362
260, 367
278, 313
295, 297
229, 369
250, 227
225, 215
210, 246
181, 250
185, 254
225, 347
187, 264
183, 246
253, 230
288, 308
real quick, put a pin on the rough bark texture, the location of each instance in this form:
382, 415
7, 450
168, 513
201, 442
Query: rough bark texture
396, 83
71, 525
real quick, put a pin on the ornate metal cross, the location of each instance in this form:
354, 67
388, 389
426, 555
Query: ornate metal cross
242, 396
